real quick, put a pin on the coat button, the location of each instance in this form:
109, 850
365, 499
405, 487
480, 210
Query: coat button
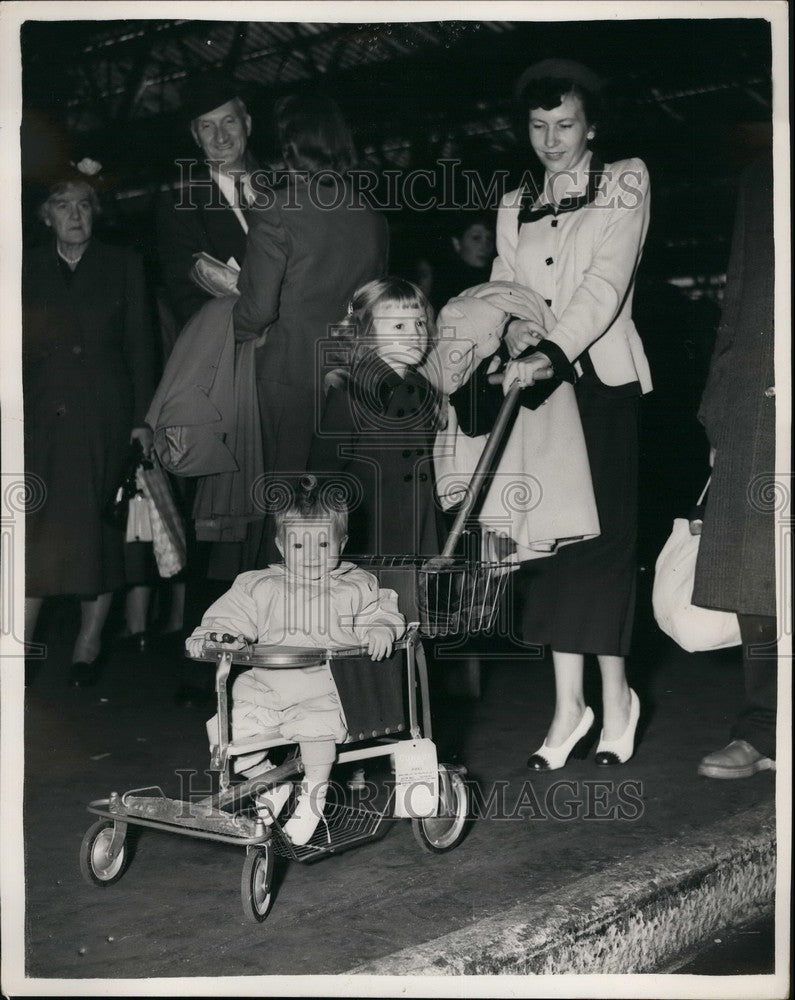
410, 390
420, 451
423, 477
548, 301
554, 223
549, 261
770, 391
407, 478
77, 349
407, 453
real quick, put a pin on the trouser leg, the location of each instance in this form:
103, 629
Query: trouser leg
757, 721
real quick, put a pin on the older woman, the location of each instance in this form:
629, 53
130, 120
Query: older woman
578, 242
308, 251
88, 377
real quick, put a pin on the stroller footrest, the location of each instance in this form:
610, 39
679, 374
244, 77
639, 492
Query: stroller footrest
194, 815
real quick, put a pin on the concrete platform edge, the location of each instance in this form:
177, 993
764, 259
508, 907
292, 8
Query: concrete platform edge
632, 917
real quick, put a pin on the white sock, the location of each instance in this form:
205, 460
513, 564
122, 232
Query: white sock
308, 811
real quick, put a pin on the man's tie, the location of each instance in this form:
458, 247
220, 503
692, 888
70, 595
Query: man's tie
242, 197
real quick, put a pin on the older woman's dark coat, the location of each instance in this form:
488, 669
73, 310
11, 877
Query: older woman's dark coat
736, 563
88, 376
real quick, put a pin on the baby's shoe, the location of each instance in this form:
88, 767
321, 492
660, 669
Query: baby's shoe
308, 811
271, 802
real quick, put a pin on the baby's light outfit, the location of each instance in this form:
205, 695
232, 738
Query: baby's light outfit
274, 607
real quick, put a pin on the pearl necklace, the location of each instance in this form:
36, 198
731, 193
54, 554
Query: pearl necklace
71, 261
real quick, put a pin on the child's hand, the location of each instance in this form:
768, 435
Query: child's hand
380, 642
198, 646
194, 647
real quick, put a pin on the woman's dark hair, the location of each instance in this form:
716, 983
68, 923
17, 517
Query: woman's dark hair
313, 135
548, 93
459, 223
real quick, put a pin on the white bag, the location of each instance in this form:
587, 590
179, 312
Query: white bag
693, 628
139, 519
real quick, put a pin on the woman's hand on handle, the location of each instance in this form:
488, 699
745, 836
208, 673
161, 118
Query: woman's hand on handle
527, 372
521, 334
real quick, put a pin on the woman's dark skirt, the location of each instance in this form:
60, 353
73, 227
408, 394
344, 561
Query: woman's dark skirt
582, 599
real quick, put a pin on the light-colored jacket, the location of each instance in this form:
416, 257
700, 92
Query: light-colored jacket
583, 263
540, 494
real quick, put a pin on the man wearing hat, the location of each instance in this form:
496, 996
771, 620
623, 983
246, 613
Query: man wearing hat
209, 213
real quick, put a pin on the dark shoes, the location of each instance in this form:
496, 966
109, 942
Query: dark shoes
133, 642
83, 675
737, 760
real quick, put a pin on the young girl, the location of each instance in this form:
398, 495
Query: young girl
379, 422
314, 600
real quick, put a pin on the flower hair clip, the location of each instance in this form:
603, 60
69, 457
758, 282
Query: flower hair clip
350, 307
88, 166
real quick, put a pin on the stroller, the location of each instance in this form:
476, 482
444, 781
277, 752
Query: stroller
384, 715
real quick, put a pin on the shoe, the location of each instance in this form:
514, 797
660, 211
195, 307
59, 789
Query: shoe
611, 752
133, 642
307, 814
552, 758
83, 675
269, 804
737, 760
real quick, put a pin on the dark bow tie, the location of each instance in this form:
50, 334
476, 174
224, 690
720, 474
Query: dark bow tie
529, 214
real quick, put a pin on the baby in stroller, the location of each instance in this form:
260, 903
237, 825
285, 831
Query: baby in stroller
313, 600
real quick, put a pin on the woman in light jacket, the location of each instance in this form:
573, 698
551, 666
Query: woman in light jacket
578, 242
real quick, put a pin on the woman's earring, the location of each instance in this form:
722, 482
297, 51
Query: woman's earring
590, 135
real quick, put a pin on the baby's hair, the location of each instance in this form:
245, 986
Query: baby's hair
313, 501
358, 324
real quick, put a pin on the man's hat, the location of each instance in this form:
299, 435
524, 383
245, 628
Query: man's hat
208, 92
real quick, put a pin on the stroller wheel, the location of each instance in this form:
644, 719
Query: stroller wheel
255, 884
444, 831
96, 864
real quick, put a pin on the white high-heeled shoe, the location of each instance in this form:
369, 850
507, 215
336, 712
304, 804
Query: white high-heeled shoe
552, 758
610, 752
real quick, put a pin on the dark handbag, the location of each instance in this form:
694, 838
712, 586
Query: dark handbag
117, 506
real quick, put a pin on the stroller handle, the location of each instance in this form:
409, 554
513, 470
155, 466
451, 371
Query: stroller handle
483, 467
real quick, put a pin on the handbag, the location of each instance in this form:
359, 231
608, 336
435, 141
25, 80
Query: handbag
139, 518
168, 531
116, 509
693, 628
